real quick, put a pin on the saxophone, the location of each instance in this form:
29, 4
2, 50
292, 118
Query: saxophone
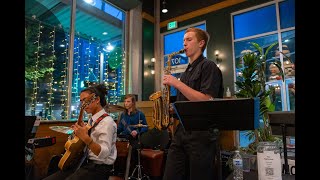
161, 100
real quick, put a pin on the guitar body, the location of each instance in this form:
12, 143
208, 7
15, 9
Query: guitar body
74, 152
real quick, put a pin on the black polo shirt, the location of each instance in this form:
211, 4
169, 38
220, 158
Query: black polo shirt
202, 75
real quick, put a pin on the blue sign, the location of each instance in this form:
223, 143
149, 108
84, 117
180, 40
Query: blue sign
176, 60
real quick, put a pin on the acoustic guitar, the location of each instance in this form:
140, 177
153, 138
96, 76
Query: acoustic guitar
75, 146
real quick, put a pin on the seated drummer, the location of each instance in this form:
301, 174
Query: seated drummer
130, 117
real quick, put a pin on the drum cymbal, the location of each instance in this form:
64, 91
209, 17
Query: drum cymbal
62, 129
115, 108
139, 125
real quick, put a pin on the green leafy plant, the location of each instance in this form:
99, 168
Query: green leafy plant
36, 66
252, 84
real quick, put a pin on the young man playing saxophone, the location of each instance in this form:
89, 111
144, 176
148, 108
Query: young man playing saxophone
191, 155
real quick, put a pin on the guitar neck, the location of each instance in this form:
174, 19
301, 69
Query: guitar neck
80, 118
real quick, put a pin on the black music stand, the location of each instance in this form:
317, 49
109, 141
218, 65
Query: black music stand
219, 114
283, 123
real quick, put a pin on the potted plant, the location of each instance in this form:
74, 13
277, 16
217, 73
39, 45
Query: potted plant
252, 84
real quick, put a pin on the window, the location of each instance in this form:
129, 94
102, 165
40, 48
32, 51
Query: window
259, 25
97, 55
244, 22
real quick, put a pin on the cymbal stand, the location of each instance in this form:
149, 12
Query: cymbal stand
138, 167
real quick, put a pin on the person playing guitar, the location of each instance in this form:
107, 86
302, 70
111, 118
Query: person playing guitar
99, 137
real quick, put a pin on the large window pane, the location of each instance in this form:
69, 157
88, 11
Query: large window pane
46, 61
242, 47
250, 23
263, 19
98, 55
288, 47
287, 14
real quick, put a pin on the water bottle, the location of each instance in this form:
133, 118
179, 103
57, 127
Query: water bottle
237, 166
228, 93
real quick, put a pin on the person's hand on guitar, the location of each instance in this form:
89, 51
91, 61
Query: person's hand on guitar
80, 131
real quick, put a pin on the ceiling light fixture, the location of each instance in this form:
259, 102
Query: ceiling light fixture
164, 9
91, 2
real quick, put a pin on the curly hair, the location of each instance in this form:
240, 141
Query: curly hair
99, 90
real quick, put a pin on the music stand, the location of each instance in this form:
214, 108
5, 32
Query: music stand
283, 123
222, 114
218, 114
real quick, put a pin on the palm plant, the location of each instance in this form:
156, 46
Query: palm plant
252, 84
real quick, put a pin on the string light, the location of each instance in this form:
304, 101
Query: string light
63, 82
97, 68
35, 80
87, 80
113, 86
121, 91
116, 82
106, 73
51, 79
76, 73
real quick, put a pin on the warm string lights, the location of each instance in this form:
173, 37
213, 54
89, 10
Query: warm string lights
76, 78
122, 74
106, 73
49, 106
63, 82
55, 58
115, 82
112, 99
97, 68
87, 65
35, 80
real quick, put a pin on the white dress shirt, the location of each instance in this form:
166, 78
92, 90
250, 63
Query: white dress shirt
105, 134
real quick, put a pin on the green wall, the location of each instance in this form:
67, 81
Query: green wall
148, 53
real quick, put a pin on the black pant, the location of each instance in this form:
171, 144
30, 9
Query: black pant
88, 171
191, 155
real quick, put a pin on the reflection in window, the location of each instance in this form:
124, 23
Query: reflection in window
242, 47
288, 41
45, 69
258, 22
47, 28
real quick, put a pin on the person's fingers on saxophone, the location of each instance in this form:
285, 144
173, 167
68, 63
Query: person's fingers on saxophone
169, 80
